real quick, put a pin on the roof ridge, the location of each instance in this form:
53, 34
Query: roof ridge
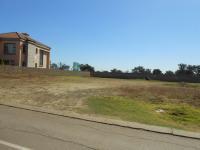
18, 34
8, 32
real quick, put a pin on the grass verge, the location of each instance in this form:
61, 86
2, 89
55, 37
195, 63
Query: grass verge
182, 116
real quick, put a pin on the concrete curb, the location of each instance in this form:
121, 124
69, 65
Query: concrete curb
132, 125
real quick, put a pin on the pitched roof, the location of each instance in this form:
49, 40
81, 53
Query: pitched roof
9, 35
23, 36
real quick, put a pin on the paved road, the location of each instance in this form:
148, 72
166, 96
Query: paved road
23, 129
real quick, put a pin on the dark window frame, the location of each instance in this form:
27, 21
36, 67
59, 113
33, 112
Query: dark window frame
41, 58
6, 51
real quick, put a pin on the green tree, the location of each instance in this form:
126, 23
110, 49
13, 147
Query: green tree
148, 71
190, 70
54, 66
139, 70
63, 66
157, 72
115, 71
86, 67
181, 69
169, 73
185, 70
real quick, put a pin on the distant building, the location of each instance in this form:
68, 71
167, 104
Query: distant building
19, 49
76, 66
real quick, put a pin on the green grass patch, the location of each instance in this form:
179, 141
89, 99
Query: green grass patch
182, 116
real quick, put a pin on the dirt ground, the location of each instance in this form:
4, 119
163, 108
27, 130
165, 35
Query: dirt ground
68, 93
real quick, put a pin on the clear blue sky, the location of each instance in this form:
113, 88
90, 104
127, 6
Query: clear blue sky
110, 33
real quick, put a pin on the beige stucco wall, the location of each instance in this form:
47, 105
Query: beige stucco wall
33, 57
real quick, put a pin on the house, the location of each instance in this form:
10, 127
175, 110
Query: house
19, 49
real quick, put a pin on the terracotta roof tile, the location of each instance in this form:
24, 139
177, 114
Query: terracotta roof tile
23, 36
9, 35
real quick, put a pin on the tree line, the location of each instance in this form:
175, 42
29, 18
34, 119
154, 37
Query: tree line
60, 66
63, 66
183, 70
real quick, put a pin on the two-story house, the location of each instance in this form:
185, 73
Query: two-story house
19, 49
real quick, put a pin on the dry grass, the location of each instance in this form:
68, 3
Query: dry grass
68, 92
159, 94
59, 92
72, 94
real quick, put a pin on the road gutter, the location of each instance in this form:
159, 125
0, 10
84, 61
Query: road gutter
125, 124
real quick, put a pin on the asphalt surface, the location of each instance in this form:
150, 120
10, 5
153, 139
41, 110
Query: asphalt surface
25, 130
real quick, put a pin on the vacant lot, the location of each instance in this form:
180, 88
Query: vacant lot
152, 102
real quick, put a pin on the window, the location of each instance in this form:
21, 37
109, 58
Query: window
36, 51
41, 57
35, 65
10, 48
